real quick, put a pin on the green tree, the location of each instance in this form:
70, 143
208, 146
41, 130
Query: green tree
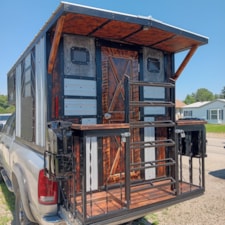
190, 99
222, 95
4, 106
204, 94
201, 95
216, 96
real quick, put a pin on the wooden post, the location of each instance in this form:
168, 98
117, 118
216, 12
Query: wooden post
185, 62
55, 44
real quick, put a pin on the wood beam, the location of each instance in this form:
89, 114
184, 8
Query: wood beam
55, 44
185, 62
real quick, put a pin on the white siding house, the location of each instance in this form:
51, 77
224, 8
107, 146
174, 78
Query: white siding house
211, 111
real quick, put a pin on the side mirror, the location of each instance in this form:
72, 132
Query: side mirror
1, 126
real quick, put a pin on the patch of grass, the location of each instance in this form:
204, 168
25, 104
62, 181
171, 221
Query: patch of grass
7, 201
153, 218
5, 220
8, 197
215, 128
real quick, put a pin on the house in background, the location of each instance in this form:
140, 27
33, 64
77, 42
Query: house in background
211, 111
179, 109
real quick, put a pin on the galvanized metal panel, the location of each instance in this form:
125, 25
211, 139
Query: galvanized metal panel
70, 68
154, 92
153, 76
76, 107
18, 100
27, 61
154, 110
91, 159
149, 135
41, 103
78, 87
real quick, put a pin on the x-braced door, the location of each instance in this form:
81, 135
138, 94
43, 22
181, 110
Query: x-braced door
116, 65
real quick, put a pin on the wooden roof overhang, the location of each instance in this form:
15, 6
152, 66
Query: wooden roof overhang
122, 28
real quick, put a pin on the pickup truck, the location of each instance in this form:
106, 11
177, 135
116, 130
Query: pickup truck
93, 140
22, 170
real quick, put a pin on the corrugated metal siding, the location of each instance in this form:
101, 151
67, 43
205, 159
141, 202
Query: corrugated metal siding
40, 61
91, 159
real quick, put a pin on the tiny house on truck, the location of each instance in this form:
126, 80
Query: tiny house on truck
95, 94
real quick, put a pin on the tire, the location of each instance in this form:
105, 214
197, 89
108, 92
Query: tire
20, 215
1, 178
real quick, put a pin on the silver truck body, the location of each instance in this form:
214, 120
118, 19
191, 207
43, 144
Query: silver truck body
20, 167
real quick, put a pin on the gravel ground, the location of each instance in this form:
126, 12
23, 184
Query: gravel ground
208, 209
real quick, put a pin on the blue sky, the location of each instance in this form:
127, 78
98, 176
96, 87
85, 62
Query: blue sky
21, 20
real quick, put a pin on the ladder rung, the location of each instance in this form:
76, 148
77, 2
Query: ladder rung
154, 183
152, 164
157, 143
161, 123
151, 103
152, 84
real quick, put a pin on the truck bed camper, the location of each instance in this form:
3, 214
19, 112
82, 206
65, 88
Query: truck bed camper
95, 101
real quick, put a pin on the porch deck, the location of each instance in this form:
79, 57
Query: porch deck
143, 195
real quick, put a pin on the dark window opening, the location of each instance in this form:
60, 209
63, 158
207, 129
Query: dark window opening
153, 65
28, 98
187, 113
80, 56
12, 88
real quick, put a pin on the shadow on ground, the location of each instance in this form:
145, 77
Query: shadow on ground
218, 173
142, 221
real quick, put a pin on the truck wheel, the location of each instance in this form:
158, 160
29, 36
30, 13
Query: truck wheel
20, 216
1, 178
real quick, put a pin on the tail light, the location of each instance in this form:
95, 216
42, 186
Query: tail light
47, 190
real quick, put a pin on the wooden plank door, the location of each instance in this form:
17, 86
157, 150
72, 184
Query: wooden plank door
116, 64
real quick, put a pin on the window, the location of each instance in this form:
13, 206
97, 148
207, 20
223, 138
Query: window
9, 127
80, 56
215, 114
153, 65
188, 113
12, 88
28, 97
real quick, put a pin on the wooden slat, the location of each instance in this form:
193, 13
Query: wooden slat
190, 122
100, 126
55, 44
